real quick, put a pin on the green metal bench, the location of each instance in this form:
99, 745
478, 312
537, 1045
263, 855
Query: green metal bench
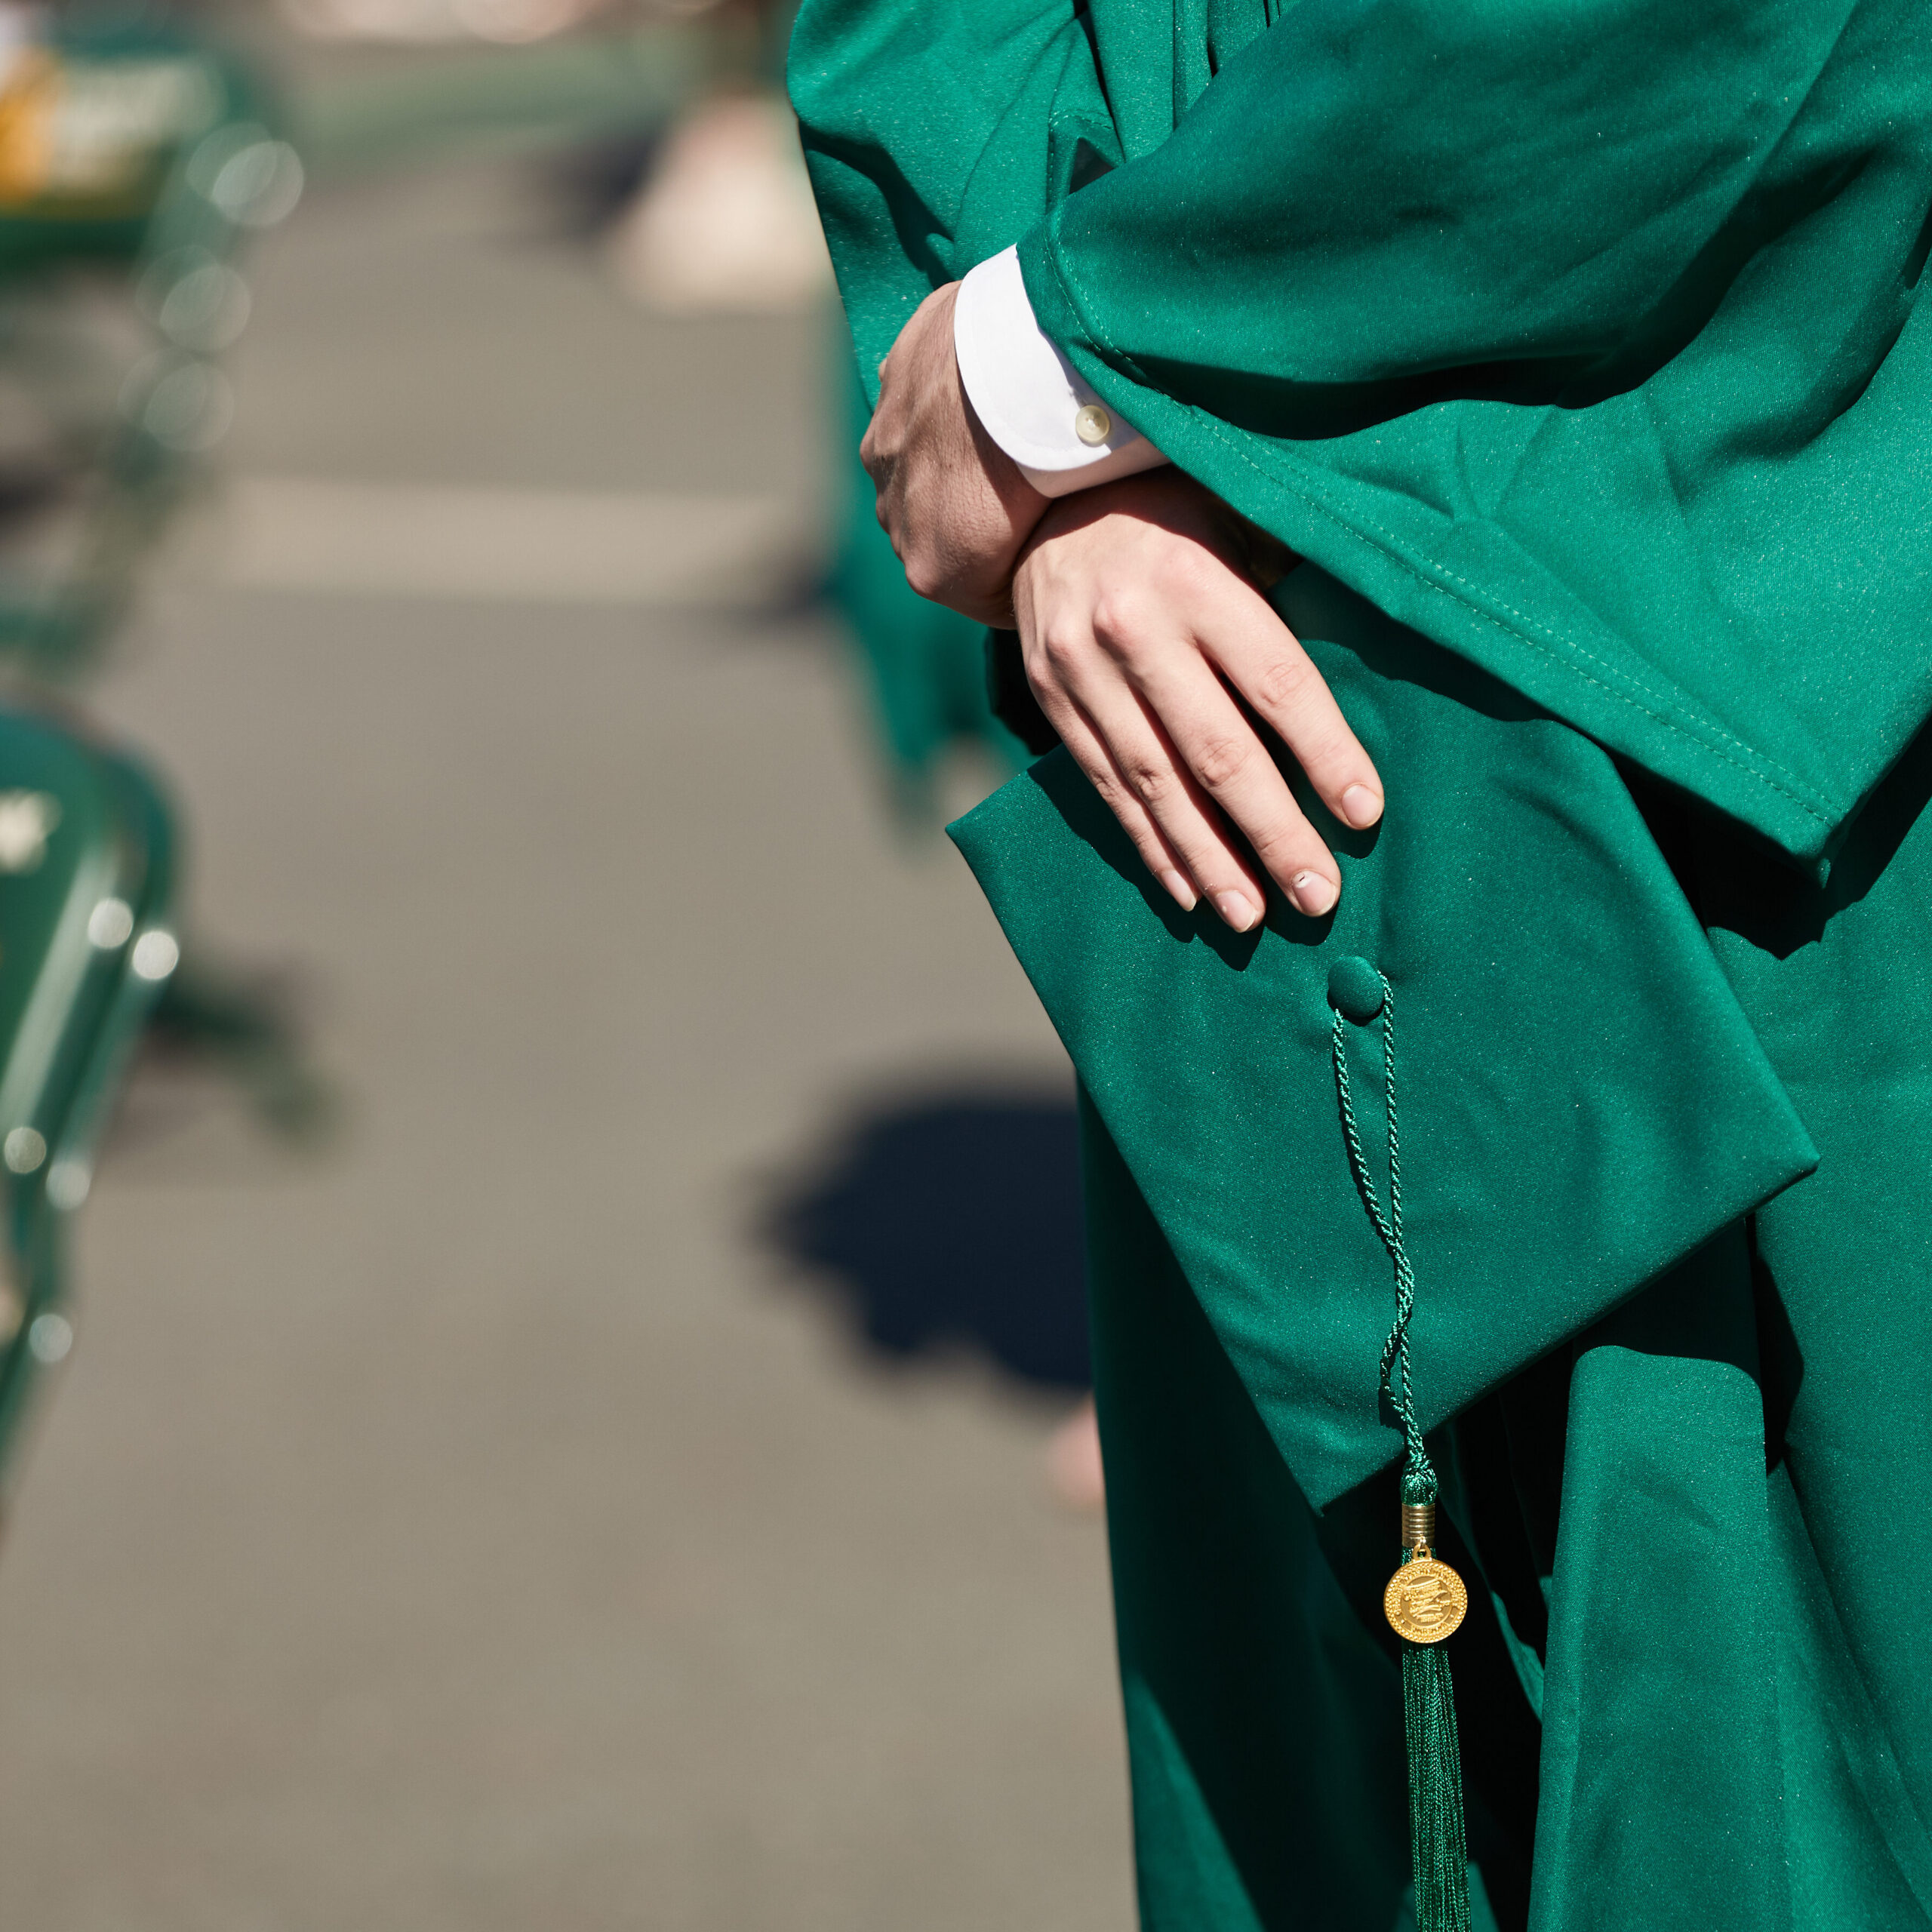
87, 946
119, 293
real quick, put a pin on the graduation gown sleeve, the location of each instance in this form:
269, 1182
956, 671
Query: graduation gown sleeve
918, 123
1581, 335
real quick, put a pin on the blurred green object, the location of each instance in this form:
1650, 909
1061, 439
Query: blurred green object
87, 880
134, 155
96, 119
925, 665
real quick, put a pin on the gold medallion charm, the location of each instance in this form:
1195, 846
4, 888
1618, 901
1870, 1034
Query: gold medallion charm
1425, 1600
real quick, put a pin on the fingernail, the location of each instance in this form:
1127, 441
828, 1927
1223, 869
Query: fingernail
1182, 891
1236, 910
1312, 892
1361, 807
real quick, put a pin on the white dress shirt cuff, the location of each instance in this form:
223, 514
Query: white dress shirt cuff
1030, 399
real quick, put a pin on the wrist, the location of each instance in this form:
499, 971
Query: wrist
1170, 501
1023, 504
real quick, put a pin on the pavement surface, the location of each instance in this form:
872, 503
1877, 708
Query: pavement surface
603, 1486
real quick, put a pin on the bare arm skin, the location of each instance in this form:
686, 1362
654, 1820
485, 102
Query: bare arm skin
953, 502
1139, 617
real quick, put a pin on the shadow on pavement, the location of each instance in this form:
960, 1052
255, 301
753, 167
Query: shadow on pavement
950, 1219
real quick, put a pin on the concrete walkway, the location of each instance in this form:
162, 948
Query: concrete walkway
498, 1521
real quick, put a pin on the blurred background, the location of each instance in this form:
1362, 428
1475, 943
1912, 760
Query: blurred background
541, 1338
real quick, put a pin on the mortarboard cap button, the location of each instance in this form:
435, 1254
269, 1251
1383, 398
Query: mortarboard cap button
1355, 990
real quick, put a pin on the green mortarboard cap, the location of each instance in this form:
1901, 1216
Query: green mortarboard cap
1582, 1102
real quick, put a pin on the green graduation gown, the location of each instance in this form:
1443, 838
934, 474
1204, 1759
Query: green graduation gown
1574, 345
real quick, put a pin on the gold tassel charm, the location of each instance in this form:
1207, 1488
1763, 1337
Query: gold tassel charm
1426, 1601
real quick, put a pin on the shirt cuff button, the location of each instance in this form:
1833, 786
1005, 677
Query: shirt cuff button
1092, 425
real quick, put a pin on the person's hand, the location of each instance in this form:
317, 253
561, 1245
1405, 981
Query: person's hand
953, 502
1138, 616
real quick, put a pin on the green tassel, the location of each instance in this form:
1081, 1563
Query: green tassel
1438, 1850
1439, 1845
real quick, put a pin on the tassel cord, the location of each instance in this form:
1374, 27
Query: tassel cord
1419, 1480
1438, 1834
